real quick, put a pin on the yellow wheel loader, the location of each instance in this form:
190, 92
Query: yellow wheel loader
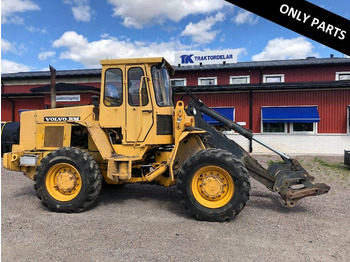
135, 134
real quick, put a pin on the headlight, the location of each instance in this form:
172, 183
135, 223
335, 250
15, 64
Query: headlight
193, 111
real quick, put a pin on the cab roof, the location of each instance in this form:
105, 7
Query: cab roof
131, 61
137, 61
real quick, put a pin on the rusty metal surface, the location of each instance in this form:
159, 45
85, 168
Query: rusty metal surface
292, 196
293, 182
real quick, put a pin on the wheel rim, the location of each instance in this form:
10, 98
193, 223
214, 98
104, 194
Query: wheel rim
63, 182
212, 186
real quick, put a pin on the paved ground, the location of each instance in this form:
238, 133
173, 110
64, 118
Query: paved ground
147, 223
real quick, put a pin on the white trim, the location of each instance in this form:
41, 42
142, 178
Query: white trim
314, 127
207, 78
179, 79
274, 133
246, 77
337, 75
275, 75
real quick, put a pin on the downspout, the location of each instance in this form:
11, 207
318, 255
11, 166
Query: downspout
251, 102
250, 118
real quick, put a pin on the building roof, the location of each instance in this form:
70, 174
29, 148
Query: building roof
310, 61
46, 74
324, 85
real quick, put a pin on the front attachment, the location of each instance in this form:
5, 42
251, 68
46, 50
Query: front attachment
293, 182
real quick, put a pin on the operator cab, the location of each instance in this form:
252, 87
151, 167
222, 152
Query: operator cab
136, 100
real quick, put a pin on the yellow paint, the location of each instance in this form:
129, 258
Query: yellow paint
120, 136
40, 135
187, 141
162, 156
99, 138
132, 61
3, 124
63, 182
138, 123
156, 172
28, 130
212, 186
12, 161
33, 123
124, 152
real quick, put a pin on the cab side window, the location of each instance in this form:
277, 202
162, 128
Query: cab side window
113, 95
134, 80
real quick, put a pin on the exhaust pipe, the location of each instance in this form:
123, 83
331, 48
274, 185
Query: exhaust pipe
53, 87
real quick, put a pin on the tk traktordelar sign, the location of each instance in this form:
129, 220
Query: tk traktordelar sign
206, 58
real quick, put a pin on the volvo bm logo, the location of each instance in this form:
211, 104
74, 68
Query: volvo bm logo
185, 59
61, 118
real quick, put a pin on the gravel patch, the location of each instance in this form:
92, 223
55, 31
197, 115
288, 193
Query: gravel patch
147, 223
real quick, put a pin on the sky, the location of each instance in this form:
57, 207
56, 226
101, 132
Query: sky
77, 34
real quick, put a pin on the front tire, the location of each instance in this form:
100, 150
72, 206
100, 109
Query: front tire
68, 180
213, 185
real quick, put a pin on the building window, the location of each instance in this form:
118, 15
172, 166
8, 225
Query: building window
296, 119
273, 78
238, 80
342, 76
292, 127
303, 127
207, 81
178, 82
274, 127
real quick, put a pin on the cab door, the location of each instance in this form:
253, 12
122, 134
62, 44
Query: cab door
112, 105
139, 109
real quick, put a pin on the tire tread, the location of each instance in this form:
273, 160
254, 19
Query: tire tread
89, 168
241, 180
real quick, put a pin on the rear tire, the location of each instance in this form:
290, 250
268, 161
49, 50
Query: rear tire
213, 185
68, 180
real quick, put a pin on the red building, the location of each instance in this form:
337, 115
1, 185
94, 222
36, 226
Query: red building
301, 106
253, 86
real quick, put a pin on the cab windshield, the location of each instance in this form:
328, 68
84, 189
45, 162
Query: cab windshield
161, 85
